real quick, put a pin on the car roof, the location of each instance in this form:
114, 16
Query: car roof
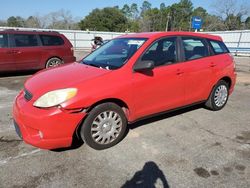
155, 35
14, 31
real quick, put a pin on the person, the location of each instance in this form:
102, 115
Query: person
96, 43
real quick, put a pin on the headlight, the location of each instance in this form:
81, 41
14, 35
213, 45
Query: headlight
56, 97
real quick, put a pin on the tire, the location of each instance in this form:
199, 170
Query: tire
53, 62
104, 127
218, 97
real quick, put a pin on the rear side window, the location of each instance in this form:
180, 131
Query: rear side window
3, 41
219, 47
25, 40
194, 48
49, 40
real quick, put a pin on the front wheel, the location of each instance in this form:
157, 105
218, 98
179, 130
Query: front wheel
219, 96
104, 127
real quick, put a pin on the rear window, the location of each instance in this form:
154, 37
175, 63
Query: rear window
3, 41
219, 47
25, 40
49, 40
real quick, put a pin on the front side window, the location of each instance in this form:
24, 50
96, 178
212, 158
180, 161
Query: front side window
162, 52
219, 47
194, 48
114, 54
23, 40
3, 41
49, 40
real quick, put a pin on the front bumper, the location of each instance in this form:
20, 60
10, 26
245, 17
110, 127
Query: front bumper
44, 128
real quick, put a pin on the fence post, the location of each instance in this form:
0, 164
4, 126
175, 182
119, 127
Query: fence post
238, 45
75, 40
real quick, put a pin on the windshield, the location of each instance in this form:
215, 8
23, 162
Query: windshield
114, 54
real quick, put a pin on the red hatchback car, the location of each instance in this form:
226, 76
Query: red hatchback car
33, 50
151, 73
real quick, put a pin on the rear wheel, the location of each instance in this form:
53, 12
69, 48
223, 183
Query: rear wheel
104, 127
53, 62
219, 96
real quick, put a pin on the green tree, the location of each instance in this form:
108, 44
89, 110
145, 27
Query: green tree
15, 21
181, 15
145, 7
126, 11
134, 11
247, 23
107, 19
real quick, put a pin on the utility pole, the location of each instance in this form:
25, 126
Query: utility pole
167, 22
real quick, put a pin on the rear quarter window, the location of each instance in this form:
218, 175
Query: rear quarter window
49, 40
218, 47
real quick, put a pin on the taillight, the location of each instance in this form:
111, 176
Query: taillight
233, 60
72, 50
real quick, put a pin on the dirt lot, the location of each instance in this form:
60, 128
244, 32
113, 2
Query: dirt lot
188, 148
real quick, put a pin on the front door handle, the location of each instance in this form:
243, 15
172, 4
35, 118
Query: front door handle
212, 64
179, 72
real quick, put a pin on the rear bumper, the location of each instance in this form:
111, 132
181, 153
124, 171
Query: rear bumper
233, 77
69, 59
44, 128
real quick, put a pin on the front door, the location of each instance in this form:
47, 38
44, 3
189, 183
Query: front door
161, 88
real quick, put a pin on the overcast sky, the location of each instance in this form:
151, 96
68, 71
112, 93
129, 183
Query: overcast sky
78, 8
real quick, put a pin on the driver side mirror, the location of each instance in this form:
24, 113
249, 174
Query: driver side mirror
144, 65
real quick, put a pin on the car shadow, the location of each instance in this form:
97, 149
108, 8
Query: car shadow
150, 176
17, 73
164, 115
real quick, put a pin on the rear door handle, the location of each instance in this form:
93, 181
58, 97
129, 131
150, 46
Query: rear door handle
14, 52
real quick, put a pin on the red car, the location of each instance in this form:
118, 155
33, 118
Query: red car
97, 98
33, 50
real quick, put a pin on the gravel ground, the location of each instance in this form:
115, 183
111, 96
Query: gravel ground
193, 147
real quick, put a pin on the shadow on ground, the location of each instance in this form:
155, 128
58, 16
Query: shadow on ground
16, 73
164, 115
150, 176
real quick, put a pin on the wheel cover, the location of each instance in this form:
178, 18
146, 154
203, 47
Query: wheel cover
54, 63
220, 96
106, 127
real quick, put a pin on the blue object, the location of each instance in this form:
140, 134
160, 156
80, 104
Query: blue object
197, 22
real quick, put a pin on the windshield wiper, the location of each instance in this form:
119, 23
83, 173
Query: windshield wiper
91, 64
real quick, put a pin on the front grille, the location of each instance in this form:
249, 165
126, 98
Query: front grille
27, 95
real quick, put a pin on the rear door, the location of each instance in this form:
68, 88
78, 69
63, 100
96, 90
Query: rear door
198, 69
26, 51
6, 57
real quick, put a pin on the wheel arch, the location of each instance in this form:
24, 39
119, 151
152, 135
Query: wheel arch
117, 101
228, 80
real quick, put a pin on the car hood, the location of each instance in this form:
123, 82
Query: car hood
62, 77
